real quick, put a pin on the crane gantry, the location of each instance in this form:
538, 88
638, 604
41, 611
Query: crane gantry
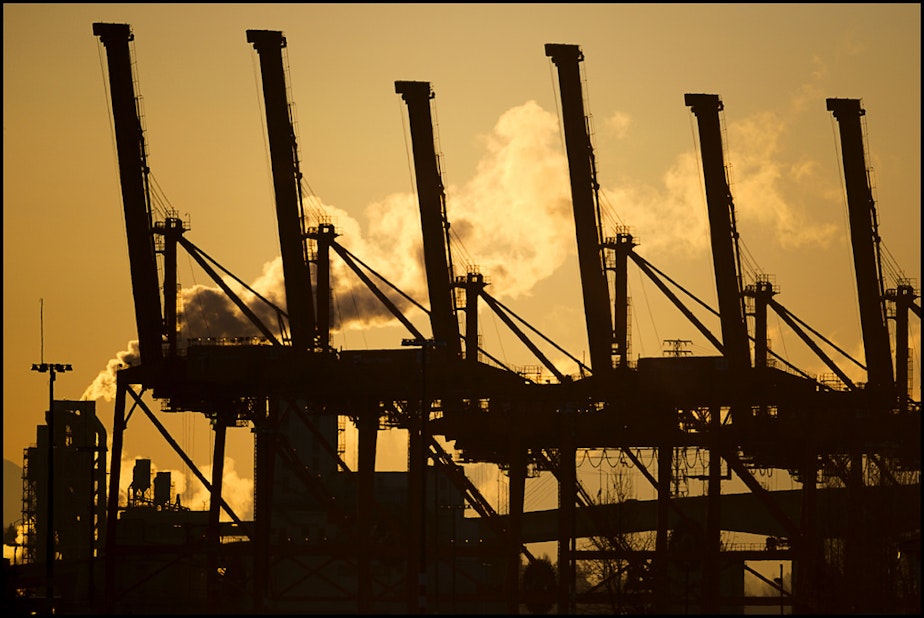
745, 415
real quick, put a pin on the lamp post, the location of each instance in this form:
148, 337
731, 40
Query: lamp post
51, 369
424, 345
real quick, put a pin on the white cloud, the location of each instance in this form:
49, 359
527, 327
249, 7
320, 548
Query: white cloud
617, 124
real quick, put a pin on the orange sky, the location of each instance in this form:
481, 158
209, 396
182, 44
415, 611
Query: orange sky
503, 161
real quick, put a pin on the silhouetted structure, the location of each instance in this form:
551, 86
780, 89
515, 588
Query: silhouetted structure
79, 526
325, 538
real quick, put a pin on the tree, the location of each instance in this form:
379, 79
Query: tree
624, 579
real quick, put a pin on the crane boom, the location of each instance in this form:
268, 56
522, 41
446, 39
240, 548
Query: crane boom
133, 172
286, 178
724, 236
433, 222
583, 184
864, 239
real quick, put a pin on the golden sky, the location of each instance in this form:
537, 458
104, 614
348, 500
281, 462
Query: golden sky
503, 160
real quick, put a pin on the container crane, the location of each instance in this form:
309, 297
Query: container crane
497, 416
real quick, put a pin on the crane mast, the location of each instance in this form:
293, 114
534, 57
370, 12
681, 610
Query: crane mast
583, 184
864, 238
723, 234
286, 178
133, 172
433, 224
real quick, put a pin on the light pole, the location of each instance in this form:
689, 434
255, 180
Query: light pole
51, 369
424, 345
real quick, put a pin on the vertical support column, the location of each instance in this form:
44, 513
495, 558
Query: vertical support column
662, 555
515, 519
325, 237
264, 462
623, 246
474, 284
170, 282
856, 572
368, 438
416, 480
214, 534
418, 447
904, 297
422, 479
172, 230
713, 532
763, 292
808, 547
567, 495
115, 473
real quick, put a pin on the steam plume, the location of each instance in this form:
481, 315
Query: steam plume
768, 193
235, 490
513, 221
104, 385
508, 221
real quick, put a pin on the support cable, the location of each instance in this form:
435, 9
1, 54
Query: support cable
344, 251
780, 307
194, 251
507, 309
236, 279
522, 337
348, 260
638, 322
192, 466
647, 269
638, 258
202, 314
811, 344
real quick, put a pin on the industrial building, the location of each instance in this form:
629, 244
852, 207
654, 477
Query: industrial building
328, 539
